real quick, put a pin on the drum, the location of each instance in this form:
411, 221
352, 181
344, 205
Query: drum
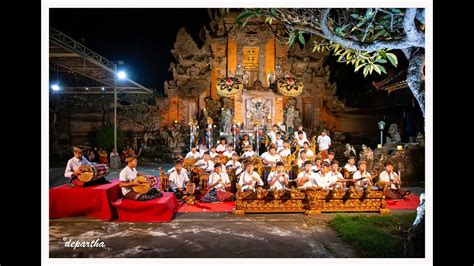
92, 172
147, 183
203, 183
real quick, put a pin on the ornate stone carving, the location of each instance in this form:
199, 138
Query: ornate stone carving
394, 134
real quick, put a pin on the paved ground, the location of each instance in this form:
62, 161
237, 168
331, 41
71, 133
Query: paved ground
200, 235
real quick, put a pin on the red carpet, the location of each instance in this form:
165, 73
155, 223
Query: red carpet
208, 207
160, 209
410, 202
65, 201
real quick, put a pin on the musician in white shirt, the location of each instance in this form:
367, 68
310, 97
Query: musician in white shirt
272, 133
218, 179
270, 158
230, 150
390, 177
316, 165
363, 177
301, 139
205, 164
300, 129
179, 182
350, 165
249, 152
249, 179
324, 142
278, 179
73, 165
302, 159
278, 141
324, 177
306, 179
203, 147
284, 151
217, 160
213, 152
234, 163
309, 152
221, 147
337, 180
127, 181
193, 154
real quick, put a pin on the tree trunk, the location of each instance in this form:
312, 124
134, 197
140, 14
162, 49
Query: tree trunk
414, 77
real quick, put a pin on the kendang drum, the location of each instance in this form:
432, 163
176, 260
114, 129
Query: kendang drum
147, 182
92, 172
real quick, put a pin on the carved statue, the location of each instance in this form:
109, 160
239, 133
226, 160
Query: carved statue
227, 121
394, 135
350, 151
290, 117
367, 155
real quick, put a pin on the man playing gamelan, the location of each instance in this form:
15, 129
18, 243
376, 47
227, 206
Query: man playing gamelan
278, 179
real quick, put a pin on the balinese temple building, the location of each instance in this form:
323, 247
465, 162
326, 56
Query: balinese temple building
259, 79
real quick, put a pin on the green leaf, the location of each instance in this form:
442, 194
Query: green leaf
366, 70
377, 69
381, 61
357, 62
355, 15
273, 12
382, 69
291, 40
358, 67
392, 58
368, 13
301, 38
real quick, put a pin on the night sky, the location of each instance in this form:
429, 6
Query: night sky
142, 38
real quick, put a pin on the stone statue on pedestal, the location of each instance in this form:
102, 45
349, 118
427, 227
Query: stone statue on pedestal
394, 135
290, 117
227, 121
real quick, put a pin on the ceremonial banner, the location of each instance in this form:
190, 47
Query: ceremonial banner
250, 58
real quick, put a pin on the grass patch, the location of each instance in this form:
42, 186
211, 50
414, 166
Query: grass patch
374, 236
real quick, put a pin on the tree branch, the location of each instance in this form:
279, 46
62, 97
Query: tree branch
414, 40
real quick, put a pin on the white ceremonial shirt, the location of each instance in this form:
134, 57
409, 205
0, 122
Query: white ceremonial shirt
272, 159
324, 181
224, 180
73, 164
127, 175
278, 143
280, 183
231, 164
228, 154
384, 176
192, 155
309, 153
248, 154
284, 152
178, 181
213, 154
209, 166
173, 169
220, 147
324, 142
351, 169
311, 182
246, 177
361, 176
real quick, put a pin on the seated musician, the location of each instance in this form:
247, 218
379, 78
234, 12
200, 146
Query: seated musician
316, 165
127, 181
248, 152
193, 154
309, 152
278, 179
218, 160
220, 149
337, 180
301, 139
179, 182
213, 153
331, 155
206, 164
390, 177
324, 178
361, 176
278, 141
272, 134
306, 179
72, 170
230, 150
219, 186
302, 159
270, 158
202, 147
249, 179
284, 151
245, 142
297, 132
350, 165
234, 163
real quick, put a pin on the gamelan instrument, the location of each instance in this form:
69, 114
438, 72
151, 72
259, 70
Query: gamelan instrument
92, 172
147, 182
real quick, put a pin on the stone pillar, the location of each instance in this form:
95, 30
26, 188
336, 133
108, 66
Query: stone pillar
269, 60
231, 55
278, 110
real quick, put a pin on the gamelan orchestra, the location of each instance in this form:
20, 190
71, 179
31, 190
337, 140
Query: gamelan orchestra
217, 173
